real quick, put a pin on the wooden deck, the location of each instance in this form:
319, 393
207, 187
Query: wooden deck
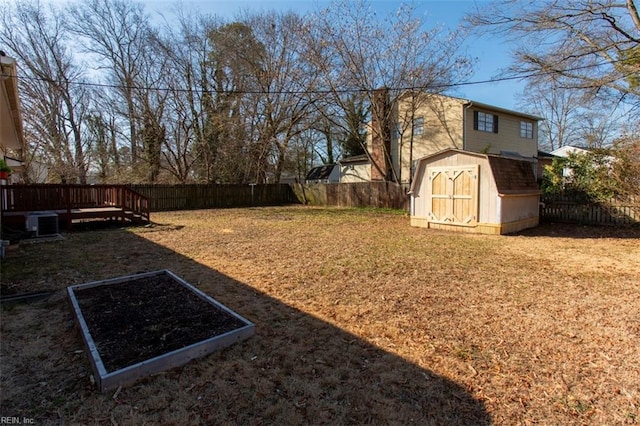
73, 202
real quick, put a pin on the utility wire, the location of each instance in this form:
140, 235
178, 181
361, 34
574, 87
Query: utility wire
310, 92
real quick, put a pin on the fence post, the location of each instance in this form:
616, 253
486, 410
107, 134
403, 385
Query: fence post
67, 191
252, 185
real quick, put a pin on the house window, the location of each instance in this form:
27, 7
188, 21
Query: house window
526, 129
418, 126
485, 122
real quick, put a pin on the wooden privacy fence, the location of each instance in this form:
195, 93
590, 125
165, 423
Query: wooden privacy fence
205, 196
364, 194
612, 212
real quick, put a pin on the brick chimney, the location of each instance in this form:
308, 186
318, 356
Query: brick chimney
380, 149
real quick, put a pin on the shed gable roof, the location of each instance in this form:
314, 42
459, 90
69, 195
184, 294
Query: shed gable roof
512, 176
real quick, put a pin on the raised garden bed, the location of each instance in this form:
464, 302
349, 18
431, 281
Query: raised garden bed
137, 325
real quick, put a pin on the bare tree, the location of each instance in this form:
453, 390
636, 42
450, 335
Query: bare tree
213, 101
116, 34
562, 112
356, 51
590, 45
600, 127
301, 152
285, 94
54, 105
193, 134
328, 132
338, 131
98, 132
234, 66
103, 134
626, 168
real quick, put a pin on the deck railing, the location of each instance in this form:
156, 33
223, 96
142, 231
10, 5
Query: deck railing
55, 197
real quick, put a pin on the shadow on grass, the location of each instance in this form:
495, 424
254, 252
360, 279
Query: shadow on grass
572, 230
297, 369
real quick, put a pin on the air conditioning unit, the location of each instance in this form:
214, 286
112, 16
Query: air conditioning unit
42, 224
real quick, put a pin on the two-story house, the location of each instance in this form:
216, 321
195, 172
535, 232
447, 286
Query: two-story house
422, 124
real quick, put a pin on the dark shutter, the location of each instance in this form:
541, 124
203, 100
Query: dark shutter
495, 124
475, 120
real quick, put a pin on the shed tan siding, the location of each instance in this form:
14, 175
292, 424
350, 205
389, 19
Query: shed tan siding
507, 195
487, 205
519, 207
507, 139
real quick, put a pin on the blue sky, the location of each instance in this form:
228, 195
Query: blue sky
491, 54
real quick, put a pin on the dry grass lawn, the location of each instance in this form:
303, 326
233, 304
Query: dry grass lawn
359, 319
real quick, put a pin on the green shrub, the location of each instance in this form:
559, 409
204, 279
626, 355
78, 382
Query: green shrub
584, 176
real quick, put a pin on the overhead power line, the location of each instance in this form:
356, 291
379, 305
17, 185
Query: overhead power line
314, 91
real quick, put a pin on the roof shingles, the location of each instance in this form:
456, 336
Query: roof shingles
512, 176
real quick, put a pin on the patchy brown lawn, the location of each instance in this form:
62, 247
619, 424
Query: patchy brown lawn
359, 319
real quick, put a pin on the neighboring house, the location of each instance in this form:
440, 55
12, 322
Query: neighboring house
348, 170
38, 172
423, 124
355, 169
10, 118
17, 169
327, 173
565, 151
470, 192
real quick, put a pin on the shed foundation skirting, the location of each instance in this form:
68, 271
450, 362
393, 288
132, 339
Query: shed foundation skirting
480, 228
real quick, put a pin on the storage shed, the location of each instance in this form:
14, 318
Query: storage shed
470, 192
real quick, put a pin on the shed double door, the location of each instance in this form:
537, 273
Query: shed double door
454, 194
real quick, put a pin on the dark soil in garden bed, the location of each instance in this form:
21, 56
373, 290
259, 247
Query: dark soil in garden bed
146, 317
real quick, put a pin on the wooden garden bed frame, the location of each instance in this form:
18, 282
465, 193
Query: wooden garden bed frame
107, 380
